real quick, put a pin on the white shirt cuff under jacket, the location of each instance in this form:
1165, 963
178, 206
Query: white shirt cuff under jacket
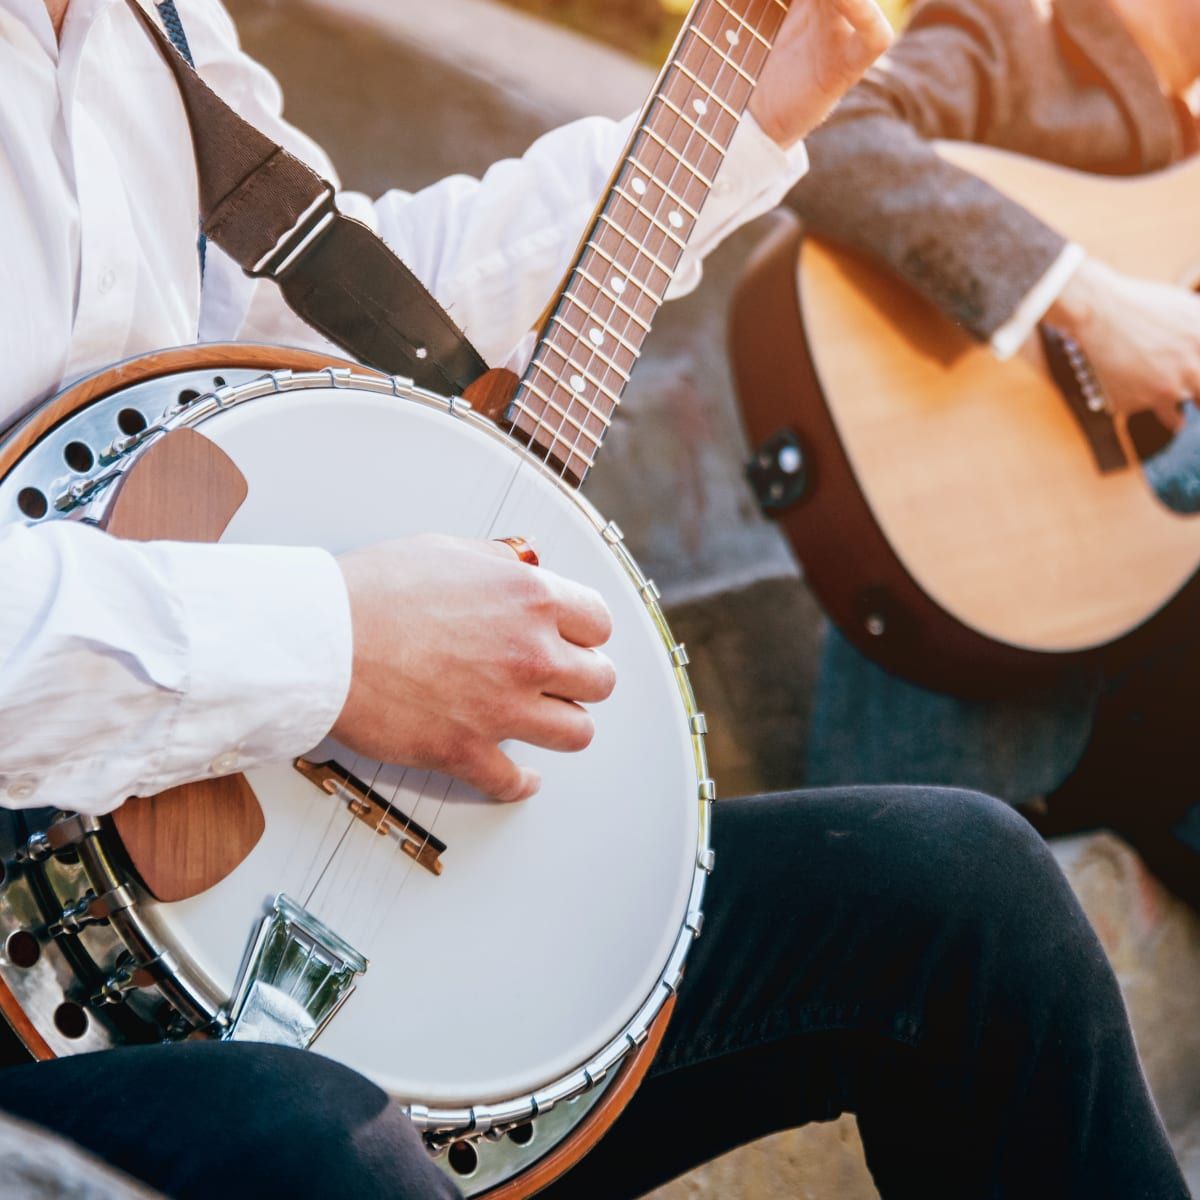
1016, 331
143, 666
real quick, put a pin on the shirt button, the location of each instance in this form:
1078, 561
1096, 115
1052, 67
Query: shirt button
108, 281
224, 764
21, 789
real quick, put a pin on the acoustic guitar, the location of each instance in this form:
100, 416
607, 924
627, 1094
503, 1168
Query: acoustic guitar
505, 972
971, 525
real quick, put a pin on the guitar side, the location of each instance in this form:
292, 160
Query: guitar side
955, 524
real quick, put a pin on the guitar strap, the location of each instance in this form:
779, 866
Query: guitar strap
276, 217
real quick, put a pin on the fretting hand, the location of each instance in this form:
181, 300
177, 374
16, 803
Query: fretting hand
820, 53
1142, 339
459, 646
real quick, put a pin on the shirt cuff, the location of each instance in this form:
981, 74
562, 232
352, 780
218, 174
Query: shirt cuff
1014, 333
269, 655
753, 179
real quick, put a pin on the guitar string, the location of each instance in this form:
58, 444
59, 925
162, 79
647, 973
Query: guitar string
679, 162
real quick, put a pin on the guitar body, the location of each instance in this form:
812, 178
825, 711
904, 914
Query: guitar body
956, 524
504, 971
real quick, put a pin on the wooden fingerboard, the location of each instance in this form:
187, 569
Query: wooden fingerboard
563, 406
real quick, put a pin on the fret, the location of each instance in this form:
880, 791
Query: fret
561, 412
722, 55
626, 274
640, 243
683, 70
679, 201
743, 23
630, 254
652, 217
678, 158
548, 452
639, 249
584, 374
666, 102
593, 349
613, 299
612, 333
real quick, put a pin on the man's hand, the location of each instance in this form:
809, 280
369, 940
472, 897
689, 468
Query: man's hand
820, 53
459, 646
1142, 339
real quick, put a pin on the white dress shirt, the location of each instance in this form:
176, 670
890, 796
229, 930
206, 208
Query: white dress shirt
125, 668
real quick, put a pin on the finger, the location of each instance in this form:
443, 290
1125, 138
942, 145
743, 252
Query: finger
587, 676
555, 724
868, 21
486, 768
583, 617
504, 547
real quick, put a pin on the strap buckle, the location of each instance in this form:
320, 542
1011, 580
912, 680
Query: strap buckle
310, 225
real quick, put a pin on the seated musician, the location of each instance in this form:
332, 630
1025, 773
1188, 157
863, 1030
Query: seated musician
1099, 85
913, 957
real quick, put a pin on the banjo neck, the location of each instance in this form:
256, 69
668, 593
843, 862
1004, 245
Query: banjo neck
593, 333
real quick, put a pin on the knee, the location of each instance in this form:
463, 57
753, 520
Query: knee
975, 860
316, 1127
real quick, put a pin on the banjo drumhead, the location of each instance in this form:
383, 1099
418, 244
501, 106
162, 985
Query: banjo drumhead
553, 919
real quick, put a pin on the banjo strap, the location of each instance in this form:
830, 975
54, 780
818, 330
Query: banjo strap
276, 217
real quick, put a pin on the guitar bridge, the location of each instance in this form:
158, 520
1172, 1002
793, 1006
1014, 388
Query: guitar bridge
298, 974
373, 810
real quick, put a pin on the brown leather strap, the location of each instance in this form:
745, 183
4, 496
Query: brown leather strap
275, 217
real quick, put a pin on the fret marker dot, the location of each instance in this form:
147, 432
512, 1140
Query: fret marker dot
700, 107
731, 36
639, 186
676, 220
618, 284
596, 337
577, 383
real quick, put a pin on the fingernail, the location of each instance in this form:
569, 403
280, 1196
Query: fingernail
533, 783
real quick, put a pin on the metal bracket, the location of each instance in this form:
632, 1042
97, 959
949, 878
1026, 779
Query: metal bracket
778, 472
298, 974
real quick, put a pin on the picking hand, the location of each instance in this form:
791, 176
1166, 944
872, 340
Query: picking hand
459, 646
821, 51
1142, 339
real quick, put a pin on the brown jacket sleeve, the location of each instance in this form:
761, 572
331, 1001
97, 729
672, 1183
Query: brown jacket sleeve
964, 70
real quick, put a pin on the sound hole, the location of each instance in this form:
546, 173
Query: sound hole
521, 1134
218, 381
130, 422
464, 1158
188, 395
22, 948
71, 1020
79, 457
33, 503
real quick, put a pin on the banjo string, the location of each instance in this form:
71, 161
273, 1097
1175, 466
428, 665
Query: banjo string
677, 161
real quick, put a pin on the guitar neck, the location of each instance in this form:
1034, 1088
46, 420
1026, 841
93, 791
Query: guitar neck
564, 404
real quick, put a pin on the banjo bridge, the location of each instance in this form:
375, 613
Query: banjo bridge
372, 809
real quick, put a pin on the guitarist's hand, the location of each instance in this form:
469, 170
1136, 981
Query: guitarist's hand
820, 53
458, 646
1141, 338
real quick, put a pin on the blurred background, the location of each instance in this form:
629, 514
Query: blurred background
404, 92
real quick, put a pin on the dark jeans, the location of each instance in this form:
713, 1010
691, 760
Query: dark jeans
911, 956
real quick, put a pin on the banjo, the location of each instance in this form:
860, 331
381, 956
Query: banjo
504, 971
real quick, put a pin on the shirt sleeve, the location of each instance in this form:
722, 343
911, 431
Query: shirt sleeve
491, 250
128, 668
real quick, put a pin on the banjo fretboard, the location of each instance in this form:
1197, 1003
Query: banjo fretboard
565, 402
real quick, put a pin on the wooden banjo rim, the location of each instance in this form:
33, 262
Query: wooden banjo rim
231, 356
